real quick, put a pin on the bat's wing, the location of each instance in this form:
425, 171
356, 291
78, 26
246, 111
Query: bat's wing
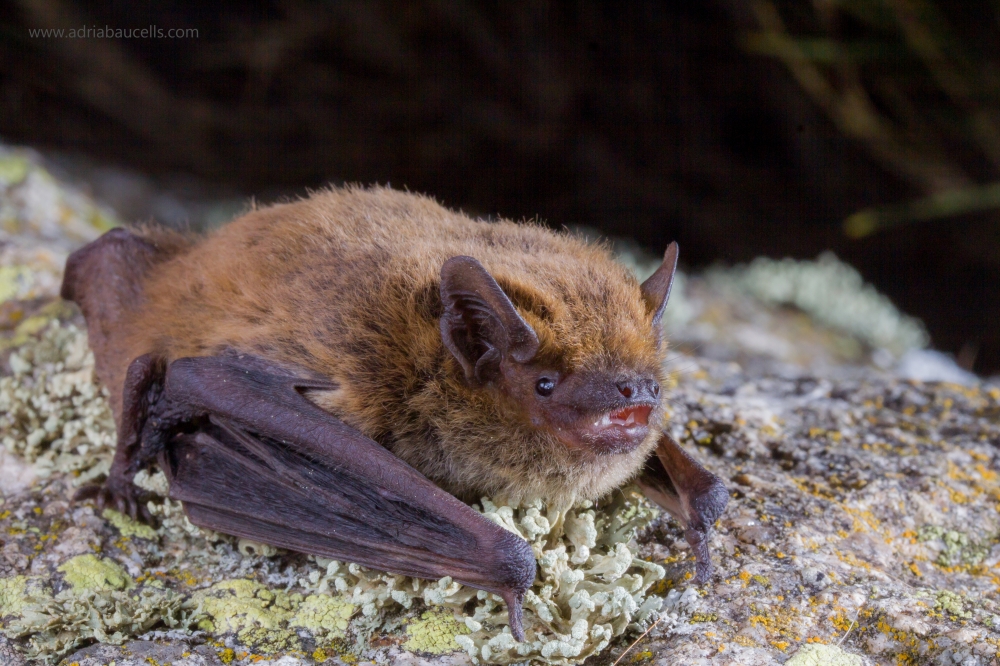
689, 492
256, 459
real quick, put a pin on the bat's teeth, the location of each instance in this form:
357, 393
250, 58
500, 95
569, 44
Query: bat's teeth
630, 416
603, 422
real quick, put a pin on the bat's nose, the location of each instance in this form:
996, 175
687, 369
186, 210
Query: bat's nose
639, 389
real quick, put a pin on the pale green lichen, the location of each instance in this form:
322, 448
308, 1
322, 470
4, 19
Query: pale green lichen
590, 588
257, 615
817, 654
86, 573
435, 632
323, 615
831, 292
12, 595
52, 410
269, 641
100, 602
53, 626
15, 282
951, 603
248, 548
128, 527
957, 548
235, 605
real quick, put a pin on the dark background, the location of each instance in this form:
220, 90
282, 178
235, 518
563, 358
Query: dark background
738, 128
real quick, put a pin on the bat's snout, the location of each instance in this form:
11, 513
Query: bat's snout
629, 404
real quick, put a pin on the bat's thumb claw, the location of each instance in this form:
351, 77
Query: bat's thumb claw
515, 612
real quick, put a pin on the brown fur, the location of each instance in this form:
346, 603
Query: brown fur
346, 282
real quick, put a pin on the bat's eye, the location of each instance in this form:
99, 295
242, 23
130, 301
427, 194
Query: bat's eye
545, 386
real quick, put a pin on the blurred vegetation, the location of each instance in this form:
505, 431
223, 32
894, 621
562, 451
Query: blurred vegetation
916, 82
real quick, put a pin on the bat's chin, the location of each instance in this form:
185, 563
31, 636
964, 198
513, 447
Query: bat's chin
617, 432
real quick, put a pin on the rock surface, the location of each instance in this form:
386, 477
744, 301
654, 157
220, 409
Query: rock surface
863, 526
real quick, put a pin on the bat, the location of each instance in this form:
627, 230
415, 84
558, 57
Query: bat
335, 375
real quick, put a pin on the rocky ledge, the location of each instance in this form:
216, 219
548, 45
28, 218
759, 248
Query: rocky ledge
863, 526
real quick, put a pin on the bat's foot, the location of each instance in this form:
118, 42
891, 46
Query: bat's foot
118, 494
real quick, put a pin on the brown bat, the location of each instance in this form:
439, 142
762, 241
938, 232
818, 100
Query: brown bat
331, 375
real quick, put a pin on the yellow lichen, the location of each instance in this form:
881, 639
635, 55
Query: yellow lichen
435, 633
129, 527
90, 573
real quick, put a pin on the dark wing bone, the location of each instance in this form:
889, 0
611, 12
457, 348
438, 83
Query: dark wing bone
690, 493
265, 463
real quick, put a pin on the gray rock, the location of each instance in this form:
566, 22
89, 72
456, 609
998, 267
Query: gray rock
863, 526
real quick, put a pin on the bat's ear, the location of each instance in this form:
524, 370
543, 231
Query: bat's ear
656, 289
479, 325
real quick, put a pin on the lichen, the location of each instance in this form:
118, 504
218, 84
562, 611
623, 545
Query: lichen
957, 548
52, 410
12, 595
323, 615
590, 587
15, 282
951, 603
129, 527
234, 605
100, 602
89, 573
435, 632
818, 654
52, 626
832, 293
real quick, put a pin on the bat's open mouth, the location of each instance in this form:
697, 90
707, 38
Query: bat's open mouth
620, 430
626, 417
630, 416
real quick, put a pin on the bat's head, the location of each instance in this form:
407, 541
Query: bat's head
576, 357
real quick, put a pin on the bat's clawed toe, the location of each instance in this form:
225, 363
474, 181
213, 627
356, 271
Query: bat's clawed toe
123, 497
